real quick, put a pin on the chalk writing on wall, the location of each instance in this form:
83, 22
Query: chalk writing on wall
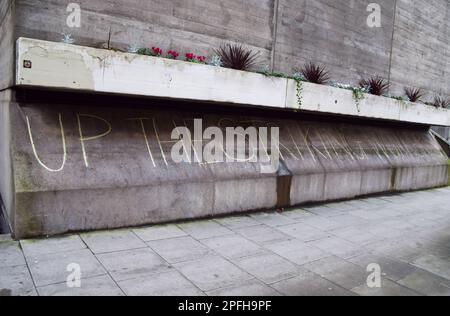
309, 142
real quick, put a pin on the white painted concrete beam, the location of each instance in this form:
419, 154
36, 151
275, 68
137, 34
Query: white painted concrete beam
57, 65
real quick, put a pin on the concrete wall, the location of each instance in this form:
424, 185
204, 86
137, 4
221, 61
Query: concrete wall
7, 41
334, 33
411, 48
6, 180
421, 50
184, 25
444, 132
127, 177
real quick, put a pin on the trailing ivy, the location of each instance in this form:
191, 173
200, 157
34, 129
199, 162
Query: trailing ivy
358, 96
297, 77
359, 93
299, 87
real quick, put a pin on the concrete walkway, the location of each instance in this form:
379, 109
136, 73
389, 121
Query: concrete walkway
322, 250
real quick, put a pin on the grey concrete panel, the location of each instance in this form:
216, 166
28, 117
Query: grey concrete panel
122, 173
187, 26
6, 180
335, 34
7, 43
420, 51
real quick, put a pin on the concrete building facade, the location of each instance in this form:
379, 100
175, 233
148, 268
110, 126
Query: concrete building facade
411, 48
58, 175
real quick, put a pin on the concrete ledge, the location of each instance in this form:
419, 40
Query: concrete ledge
63, 66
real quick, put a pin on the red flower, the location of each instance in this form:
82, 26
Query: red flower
157, 51
201, 59
173, 54
190, 56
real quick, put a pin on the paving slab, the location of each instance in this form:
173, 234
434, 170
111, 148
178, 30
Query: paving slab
111, 241
262, 234
297, 251
251, 289
49, 269
367, 214
159, 232
338, 247
268, 267
426, 283
16, 281
324, 210
213, 273
383, 231
310, 284
434, 264
358, 236
170, 283
298, 214
11, 254
339, 271
38, 247
303, 232
272, 219
394, 248
181, 249
97, 286
205, 229
232, 246
390, 268
133, 264
347, 220
235, 222
388, 288
322, 223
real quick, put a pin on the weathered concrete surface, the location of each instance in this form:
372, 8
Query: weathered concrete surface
421, 46
6, 179
73, 67
262, 254
444, 142
126, 177
188, 26
444, 132
411, 48
339, 31
7, 43
80, 68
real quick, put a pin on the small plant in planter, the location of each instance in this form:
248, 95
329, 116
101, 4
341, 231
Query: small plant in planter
396, 97
67, 39
358, 92
375, 85
171, 54
133, 49
157, 52
201, 60
237, 57
192, 58
314, 73
144, 51
216, 61
440, 102
414, 94
154, 51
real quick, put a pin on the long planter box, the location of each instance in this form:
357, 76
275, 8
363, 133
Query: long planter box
58, 65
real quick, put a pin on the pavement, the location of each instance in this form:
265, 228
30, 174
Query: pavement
393, 245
